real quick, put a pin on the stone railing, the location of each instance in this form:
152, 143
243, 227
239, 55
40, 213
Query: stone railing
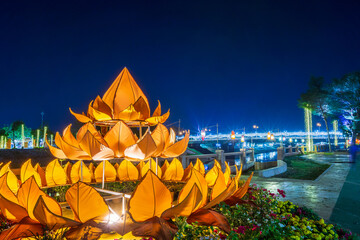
283, 152
220, 155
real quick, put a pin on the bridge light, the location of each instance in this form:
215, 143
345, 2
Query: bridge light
232, 136
203, 134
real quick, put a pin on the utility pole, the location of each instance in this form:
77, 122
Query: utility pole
217, 133
179, 125
42, 119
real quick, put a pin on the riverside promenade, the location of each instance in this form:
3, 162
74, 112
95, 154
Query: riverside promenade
334, 195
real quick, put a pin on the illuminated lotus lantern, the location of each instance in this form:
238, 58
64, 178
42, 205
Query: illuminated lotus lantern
107, 134
125, 101
107, 131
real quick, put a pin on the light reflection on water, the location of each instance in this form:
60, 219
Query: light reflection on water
260, 157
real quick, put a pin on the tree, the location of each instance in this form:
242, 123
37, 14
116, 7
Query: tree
13, 131
345, 103
317, 99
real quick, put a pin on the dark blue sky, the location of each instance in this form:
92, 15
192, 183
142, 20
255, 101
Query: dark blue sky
234, 63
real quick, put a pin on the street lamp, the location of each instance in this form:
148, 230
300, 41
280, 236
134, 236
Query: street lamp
319, 125
255, 127
232, 135
203, 134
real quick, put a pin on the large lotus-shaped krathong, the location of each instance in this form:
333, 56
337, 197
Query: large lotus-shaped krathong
123, 106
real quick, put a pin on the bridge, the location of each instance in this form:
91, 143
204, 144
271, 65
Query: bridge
254, 136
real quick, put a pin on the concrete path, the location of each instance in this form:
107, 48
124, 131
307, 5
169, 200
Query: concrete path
347, 208
322, 194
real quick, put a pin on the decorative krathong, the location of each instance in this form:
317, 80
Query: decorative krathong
107, 133
150, 210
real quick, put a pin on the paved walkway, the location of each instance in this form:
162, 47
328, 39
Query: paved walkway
334, 195
347, 208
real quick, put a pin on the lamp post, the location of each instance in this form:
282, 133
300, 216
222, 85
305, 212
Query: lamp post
255, 127
203, 134
272, 138
232, 136
319, 125
208, 129
42, 119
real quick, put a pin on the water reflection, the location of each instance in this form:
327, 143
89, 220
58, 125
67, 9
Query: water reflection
259, 157
265, 157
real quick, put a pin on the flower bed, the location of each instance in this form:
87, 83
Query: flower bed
264, 216
260, 214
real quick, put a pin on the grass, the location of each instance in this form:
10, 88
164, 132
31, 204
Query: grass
300, 168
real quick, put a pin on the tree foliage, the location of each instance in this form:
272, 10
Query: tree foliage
339, 100
345, 102
14, 130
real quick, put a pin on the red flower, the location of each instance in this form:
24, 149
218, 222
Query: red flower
255, 227
222, 236
241, 229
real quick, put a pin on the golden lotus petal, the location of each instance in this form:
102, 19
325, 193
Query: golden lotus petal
150, 198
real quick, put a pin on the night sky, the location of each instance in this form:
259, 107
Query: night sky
237, 64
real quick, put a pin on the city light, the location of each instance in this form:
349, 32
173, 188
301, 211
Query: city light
335, 127
242, 138
318, 125
203, 134
268, 136
272, 137
308, 129
37, 137
22, 136
232, 135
